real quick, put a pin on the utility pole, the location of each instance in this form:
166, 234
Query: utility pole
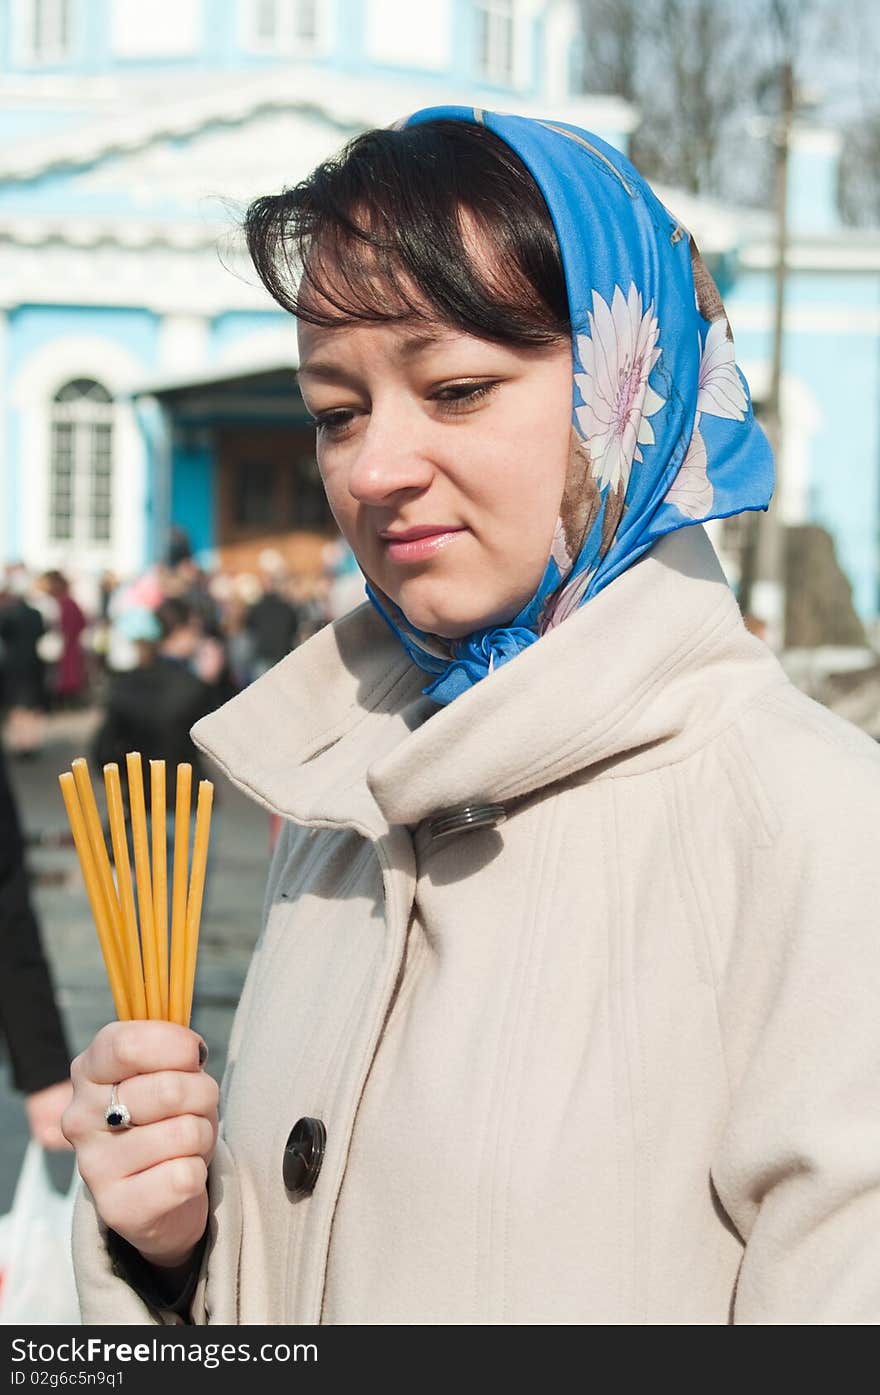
762, 578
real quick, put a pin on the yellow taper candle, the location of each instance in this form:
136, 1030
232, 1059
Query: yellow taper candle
106, 937
141, 844
196, 889
160, 873
135, 978
99, 849
177, 979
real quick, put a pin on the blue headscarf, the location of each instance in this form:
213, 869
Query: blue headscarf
663, 433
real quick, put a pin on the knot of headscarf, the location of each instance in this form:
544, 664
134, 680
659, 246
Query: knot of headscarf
477, 655
663, 433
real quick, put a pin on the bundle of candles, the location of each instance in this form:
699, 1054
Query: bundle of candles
148, 979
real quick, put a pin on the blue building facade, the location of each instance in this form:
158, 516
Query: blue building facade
146, 379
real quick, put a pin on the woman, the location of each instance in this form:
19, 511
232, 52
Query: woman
563, 1003
71, 677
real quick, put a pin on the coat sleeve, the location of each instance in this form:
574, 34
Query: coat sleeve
109, 1294
798, 1167
29, 1015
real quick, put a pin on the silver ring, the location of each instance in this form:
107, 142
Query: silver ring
116, 1113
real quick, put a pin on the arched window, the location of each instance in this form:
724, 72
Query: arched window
81, 469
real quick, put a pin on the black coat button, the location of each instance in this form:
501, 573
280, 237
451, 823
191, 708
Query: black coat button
468, 816
303, 1155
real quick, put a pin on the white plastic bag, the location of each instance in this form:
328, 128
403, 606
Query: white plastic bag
36, 1268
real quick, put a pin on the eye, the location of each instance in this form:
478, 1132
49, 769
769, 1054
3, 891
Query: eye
458, 397
333, 423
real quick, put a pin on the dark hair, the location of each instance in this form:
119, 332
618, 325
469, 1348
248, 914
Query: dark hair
179, 548
380, 236
56, 581
173, 614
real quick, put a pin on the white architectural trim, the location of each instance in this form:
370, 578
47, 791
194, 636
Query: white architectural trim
40, 89
561, 28
160, 279
349, 106
815, 140
402, 35
183, 342
32, 391
801, 420
524, 12
163, 28
858, 251
259, 352
716, 226
805, 319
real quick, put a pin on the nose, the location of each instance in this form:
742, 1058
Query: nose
392, 457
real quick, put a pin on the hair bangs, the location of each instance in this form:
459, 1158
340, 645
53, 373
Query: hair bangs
440, 222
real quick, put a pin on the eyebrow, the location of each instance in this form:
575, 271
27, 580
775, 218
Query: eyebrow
408, 347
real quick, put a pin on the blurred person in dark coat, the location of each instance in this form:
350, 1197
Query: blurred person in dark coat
29, 1016
22, 671
150, 708
272, 623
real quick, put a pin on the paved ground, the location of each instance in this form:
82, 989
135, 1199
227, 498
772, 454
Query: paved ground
230, 919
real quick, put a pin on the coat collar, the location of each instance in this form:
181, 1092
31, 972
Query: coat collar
338, 733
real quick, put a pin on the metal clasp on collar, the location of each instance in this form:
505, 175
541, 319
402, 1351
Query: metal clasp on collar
450, 821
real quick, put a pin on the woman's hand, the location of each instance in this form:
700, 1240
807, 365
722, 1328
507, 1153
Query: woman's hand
44, 1109
147, 1181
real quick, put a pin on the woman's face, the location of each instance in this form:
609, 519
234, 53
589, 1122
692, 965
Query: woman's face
444, 460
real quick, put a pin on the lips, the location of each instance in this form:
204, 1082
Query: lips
419, 544
413, 534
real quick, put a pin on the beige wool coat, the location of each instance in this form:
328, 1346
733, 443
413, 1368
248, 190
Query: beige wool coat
613, 1060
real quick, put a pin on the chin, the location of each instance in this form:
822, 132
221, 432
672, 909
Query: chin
432, 624
450, 623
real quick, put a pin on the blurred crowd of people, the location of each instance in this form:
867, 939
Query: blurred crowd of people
205, 633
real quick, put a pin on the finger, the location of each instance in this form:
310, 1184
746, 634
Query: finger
167, 1094
107, 1158
142, 1203
148, 1099
124, 1049
51, 1137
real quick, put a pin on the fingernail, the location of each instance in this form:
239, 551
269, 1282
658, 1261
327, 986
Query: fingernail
203, 1051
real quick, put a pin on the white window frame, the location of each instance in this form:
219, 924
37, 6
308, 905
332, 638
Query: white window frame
54, 42
30, 394
286, 41
495, 35
88, 419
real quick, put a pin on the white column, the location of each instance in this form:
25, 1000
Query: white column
183, 345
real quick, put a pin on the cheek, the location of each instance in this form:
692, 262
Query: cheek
527, 475
338, 497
